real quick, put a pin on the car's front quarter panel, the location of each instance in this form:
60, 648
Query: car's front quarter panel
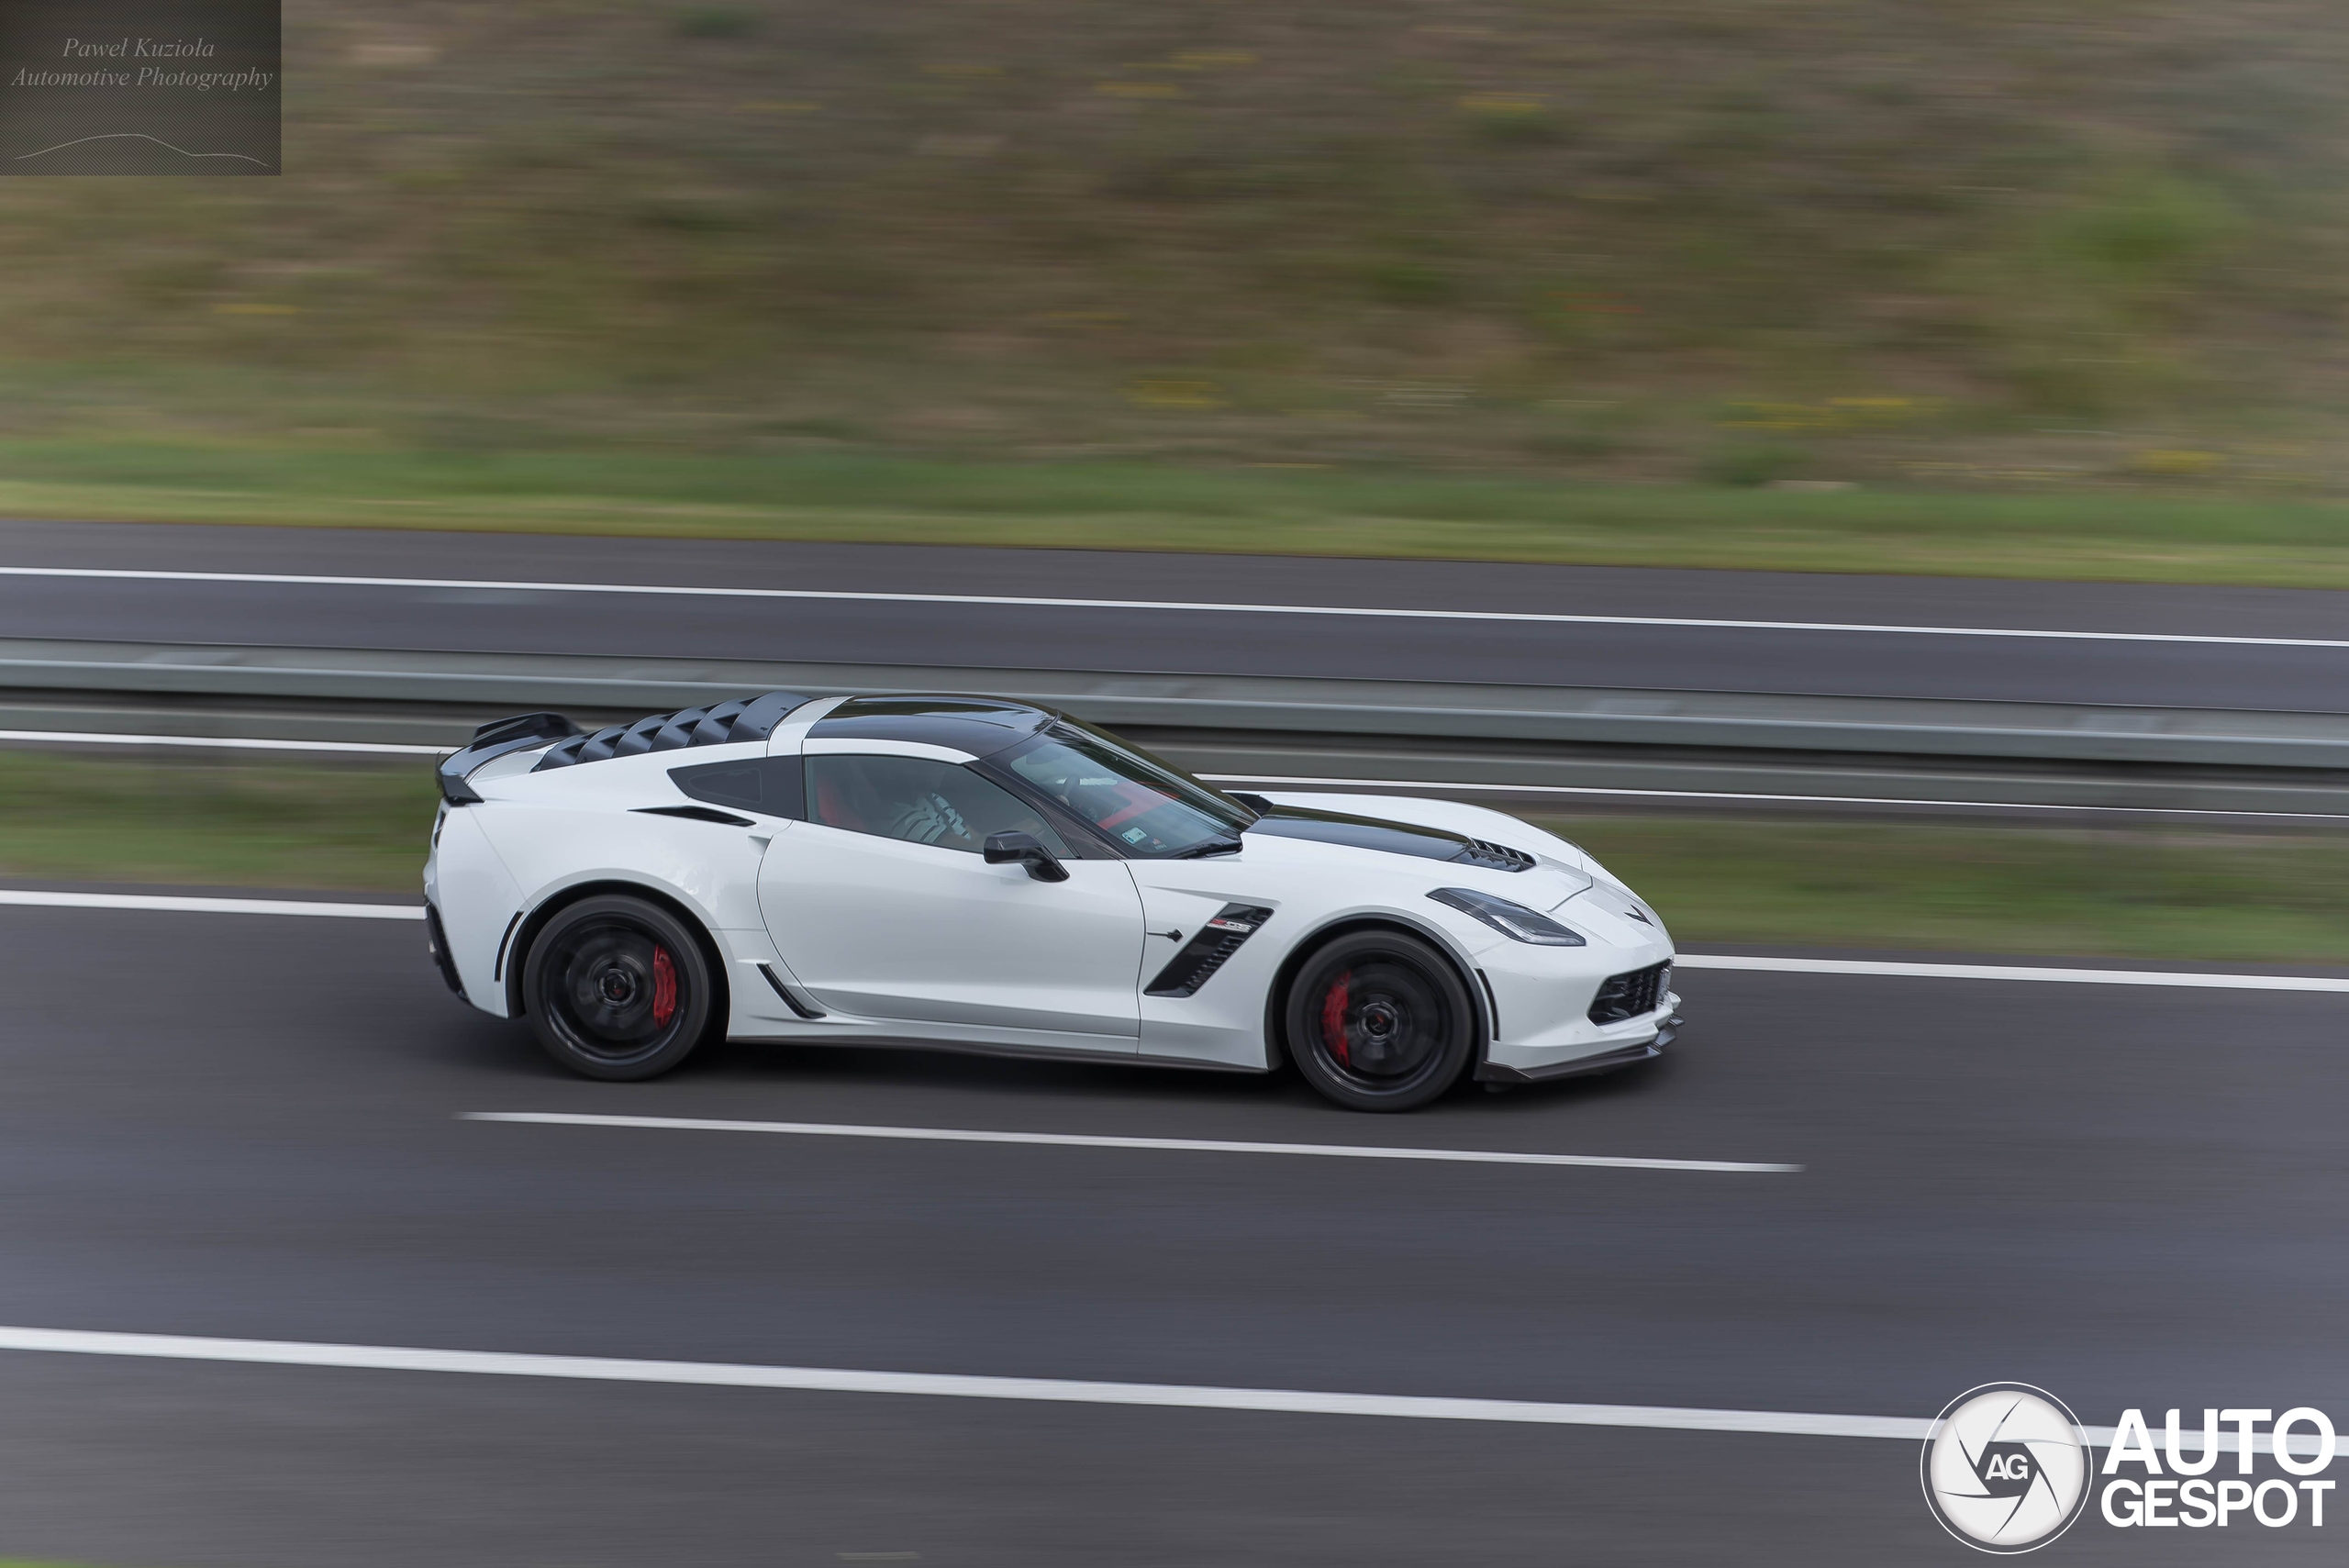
1539, 996
1312, 889
1223, 1021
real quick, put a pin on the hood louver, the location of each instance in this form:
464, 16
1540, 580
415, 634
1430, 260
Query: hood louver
1499, 857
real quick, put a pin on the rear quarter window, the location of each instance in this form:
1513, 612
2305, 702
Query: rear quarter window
769, 785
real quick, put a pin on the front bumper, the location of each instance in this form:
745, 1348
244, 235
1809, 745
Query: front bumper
1604, 1062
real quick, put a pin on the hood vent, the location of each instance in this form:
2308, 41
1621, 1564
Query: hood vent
1499, 857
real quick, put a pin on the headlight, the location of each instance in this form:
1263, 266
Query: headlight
1512, 920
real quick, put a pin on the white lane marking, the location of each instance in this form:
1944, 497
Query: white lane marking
1093, 1140
1733, 794
226, 742
1206, 606
42, 898
1041, 1390
2014, 972
954, 1385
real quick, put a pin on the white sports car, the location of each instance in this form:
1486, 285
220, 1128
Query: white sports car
970, 873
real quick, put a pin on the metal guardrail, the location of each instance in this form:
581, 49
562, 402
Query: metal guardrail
324, 684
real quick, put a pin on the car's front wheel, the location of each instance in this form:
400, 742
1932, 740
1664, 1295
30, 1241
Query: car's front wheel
1379, 1022
618, 988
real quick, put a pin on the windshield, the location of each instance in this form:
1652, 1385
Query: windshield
1147, 807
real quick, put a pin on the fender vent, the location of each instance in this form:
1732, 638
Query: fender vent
1204, 954
747, 718
1499, 857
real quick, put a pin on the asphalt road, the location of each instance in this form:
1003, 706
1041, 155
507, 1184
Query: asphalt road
1679, 658
245, 1126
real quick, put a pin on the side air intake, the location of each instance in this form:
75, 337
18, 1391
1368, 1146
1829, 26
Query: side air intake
1204, 954
748, 719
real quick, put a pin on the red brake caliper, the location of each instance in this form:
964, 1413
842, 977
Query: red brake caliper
1333, 1018
665, 988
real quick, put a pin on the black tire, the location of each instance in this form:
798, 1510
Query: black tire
618, 988
1379, 1022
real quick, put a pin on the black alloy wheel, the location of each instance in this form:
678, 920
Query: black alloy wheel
618, 988
1379, 1022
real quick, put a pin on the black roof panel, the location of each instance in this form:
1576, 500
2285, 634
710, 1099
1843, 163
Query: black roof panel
977, 725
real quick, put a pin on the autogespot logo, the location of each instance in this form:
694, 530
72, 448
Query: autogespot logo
2006, 1468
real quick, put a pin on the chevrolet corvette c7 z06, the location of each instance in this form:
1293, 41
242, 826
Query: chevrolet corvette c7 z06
975, 874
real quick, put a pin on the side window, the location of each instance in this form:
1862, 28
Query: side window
920, 801
765, 784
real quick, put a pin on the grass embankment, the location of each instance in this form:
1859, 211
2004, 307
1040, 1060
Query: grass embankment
2235, 897
2092, 252
1110, 505
2062, 892
201, 822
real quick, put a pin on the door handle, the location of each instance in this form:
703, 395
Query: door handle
1170, 936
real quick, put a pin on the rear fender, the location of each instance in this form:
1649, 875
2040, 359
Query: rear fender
478, 901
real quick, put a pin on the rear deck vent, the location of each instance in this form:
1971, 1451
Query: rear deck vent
746, 718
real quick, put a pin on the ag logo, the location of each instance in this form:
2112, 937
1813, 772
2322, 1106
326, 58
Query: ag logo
2006, 1467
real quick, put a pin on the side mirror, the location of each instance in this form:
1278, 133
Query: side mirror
1025, 848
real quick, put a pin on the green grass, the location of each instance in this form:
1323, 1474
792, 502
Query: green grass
1136, 505
360, 827
2102, 893
2089, 252
1787, 883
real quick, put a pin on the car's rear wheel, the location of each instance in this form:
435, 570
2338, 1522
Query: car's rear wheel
1379, 1022
618, 988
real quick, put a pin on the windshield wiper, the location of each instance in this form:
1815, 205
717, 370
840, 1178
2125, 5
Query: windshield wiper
1212, 847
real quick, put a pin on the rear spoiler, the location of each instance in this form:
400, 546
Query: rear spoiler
523, 732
